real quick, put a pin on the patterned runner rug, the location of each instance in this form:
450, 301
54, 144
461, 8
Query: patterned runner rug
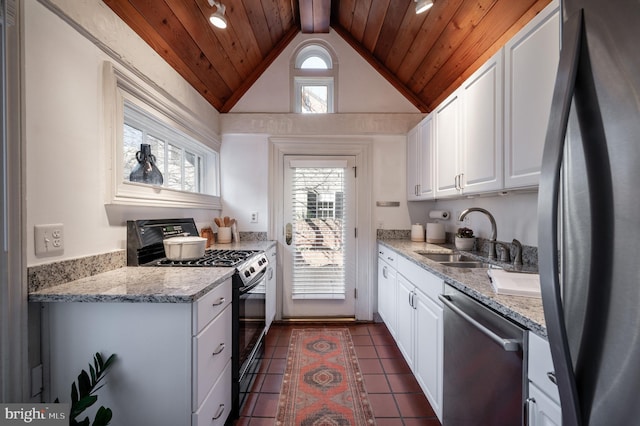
322, 384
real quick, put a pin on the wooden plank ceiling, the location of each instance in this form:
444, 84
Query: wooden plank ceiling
425, 57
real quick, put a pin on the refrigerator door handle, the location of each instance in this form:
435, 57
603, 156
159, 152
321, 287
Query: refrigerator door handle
549, 189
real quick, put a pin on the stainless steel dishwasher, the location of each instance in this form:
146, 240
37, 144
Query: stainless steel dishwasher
484, 364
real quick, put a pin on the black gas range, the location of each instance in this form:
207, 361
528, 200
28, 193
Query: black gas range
145, 248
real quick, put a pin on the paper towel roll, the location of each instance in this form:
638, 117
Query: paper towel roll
439, 214
435, 233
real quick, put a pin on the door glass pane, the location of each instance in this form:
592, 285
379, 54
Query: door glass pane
318, 196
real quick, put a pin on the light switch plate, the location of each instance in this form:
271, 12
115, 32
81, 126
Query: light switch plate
49, 239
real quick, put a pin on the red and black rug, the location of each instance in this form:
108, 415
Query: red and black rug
322, 383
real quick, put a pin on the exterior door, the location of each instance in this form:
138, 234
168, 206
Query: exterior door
319, 259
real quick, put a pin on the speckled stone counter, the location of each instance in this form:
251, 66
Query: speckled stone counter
144, 284
526, 311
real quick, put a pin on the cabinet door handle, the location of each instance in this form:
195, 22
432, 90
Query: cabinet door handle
390, 258
461, 181
219, 413
530, 414
218, 350
270, 273
552, 377
455, 182
219, 302
384, 272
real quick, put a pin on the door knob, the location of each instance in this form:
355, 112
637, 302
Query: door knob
288, 233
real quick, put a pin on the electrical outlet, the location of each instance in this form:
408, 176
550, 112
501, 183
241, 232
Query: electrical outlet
254, 217
49, 239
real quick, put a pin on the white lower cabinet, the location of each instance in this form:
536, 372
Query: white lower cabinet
427, 365
542, 410
173, 363
272, 279
387, 287
217, 405
405, 332
543, 404
418, 324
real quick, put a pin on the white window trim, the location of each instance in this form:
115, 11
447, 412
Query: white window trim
314, 47
117, 87
314, 81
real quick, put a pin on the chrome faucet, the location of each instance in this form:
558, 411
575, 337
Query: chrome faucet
494, 231
517, 261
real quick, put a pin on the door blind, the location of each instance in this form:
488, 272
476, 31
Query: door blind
318, 195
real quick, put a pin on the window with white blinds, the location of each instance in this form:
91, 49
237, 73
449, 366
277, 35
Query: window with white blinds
319, 216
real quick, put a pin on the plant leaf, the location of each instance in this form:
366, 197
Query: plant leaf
84, 384
83, 404
84, 422
109, 361
99, 359
93, 373
74, 394
103, 417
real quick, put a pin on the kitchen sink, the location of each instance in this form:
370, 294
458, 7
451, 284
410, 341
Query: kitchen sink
448, 257
467, 264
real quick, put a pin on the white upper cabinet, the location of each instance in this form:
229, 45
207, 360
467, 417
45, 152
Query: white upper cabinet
489, 134
468, 134
531, 62
420, 161
447, 144
481, 148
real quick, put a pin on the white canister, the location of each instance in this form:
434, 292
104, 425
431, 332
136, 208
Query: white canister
224, 234
417, 233
435, 233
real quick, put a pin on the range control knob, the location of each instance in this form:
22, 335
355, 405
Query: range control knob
252, 269
247, 274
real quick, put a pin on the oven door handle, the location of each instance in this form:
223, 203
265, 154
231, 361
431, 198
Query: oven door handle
258, 278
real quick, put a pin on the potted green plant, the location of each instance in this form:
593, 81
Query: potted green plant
465, 239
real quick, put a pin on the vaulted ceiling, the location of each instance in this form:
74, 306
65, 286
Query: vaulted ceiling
425, 57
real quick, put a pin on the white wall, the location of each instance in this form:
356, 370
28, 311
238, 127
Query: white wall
245, 179
66, 163
360, 87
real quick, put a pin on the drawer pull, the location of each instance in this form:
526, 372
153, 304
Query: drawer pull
552, 376
220, 349
219, 413
219, 302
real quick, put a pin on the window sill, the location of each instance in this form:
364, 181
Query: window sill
134, 194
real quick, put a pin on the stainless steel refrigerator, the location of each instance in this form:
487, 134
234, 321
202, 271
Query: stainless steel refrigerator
589, 214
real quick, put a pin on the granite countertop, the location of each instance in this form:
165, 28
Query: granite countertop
526, 311
144, 284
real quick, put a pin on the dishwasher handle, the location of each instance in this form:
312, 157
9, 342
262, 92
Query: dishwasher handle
509, 345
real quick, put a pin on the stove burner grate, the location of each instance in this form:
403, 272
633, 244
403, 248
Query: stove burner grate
226, 258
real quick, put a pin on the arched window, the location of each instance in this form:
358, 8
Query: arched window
314, 72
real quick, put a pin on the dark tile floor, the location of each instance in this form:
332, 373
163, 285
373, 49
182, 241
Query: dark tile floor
393, 392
